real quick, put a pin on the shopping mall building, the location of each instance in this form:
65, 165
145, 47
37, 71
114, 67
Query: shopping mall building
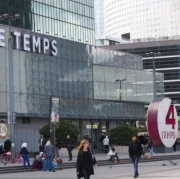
53, 55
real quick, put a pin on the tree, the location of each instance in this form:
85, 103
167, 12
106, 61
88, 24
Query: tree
65, 128
122, 135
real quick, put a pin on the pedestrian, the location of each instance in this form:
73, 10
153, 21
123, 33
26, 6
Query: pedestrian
58, 147
38, 161
55, 162
42, 143
106, 144
25, 155
151, 146
135, 151
112, 155
2, 150
85, 161
7, 145
174, 146
78, 143
49, 156
145, 139
144, 155
69, 146
111, 142
101, 140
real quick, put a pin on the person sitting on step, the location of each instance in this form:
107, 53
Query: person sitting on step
112, 155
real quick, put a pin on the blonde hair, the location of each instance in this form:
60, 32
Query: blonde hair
48, 143
81, 146
55, 158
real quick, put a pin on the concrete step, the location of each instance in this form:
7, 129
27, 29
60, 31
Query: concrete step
15, 169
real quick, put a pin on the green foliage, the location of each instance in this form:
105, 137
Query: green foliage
65, 128
122, 135
45, 131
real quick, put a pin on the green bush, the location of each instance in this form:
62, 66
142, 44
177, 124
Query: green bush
122, 135
65, 128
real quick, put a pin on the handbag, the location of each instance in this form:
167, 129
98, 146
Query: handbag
92, 155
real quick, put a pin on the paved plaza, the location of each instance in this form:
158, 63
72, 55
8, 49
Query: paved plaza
153, 170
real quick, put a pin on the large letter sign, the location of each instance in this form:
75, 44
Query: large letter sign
162, 122
30, 43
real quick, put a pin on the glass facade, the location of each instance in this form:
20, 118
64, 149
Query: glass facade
113, 83
167, 63
99, 18
84, 76
68, 19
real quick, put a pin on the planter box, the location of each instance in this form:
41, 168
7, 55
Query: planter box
121, 149
64, 152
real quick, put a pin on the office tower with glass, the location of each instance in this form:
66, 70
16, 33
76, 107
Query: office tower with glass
68, 19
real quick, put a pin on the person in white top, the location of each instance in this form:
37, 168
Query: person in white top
112, 155
106, 144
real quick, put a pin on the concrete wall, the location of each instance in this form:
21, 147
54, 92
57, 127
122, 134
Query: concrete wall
113, 124
29, 133
64, 153
121, 149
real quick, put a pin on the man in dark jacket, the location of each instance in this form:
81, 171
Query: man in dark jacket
111, 142
135, 151
69, 146
7, 145
101, 139
42, 143
58, 147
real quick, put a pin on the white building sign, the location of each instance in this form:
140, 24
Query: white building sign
30, 43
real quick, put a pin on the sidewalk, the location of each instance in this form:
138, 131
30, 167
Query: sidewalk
154, 170
99, 157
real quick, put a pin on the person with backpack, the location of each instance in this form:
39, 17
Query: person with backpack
151, 146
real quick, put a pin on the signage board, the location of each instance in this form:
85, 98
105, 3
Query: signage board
162, 122
95, 126
3, 130
54, 112
30, 43
89, 126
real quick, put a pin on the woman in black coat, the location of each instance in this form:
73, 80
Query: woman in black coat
85, 161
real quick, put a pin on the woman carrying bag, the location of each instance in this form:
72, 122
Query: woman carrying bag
85, 161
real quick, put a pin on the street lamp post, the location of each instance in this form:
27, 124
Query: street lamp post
11, 80
154, 71
118, 80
